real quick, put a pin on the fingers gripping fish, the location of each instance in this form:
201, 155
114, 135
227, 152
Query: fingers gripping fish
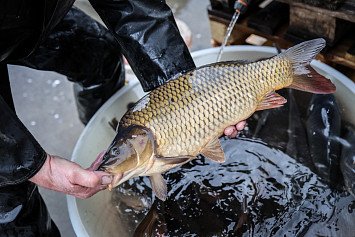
185, 117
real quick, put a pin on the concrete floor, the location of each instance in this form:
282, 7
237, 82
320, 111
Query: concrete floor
45, 104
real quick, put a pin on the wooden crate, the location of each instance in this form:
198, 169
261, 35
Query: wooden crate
308, 22
336, 54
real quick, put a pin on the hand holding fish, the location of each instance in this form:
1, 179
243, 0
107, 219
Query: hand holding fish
64, 176
232, 131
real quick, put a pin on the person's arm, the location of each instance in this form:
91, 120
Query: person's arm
22, 159
149, 38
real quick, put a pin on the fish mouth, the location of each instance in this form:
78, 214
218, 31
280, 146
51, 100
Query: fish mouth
104, 166
107, 165
106, 162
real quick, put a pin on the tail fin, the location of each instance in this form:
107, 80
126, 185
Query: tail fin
305, 77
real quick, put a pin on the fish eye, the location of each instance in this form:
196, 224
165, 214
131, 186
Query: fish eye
114, 151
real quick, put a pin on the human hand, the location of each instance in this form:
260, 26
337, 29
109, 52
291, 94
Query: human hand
232, 131
64, 176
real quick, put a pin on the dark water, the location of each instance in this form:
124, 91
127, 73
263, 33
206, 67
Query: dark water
268, 186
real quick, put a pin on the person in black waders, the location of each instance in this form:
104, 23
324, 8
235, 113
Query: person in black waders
55, 36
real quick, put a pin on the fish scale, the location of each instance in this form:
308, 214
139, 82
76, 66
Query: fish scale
199, 105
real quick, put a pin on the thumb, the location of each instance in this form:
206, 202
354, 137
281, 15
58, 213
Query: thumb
91, 179
98, 161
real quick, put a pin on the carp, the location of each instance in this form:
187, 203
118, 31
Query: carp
185, 117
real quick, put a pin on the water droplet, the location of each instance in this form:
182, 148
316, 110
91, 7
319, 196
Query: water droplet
198, 36
24, 95
55, 83
29, 80
33, 123
56, 116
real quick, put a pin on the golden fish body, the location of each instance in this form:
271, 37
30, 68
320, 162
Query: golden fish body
186, 116
188, 112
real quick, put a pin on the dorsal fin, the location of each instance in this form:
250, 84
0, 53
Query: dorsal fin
213, 151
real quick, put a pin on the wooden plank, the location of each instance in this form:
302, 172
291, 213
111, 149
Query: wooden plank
345, 12
317, 25
336, 55
339, 54
241, 31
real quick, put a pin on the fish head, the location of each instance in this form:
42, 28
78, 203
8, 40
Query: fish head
129, 155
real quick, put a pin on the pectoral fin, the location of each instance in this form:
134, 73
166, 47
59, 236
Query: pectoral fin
271, 100
214, 151
159, 186
176, 160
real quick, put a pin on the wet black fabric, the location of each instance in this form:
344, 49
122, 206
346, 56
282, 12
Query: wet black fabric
20, 27
5, 88
149, 37
22, 210
88, 54
24, 24
23, 213
20, 154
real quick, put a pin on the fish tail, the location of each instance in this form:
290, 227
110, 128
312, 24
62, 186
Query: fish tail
305, 78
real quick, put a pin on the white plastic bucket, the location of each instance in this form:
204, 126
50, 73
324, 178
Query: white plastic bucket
97, 216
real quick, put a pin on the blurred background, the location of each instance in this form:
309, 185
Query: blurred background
45, 102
